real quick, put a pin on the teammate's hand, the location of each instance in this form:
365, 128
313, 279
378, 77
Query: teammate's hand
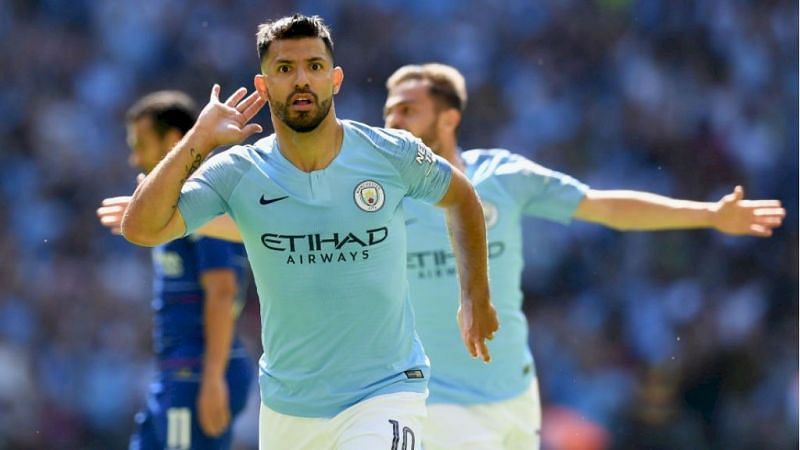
213, 412
478, 324
733, 215
111, 211
227, 123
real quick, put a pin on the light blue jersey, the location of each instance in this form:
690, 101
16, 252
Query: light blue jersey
327, 250
510, 187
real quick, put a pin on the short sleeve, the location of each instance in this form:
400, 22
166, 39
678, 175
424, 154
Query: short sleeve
205, 194
426, 174
539, 191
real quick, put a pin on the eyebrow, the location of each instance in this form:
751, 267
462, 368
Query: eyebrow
290, 61
402, 102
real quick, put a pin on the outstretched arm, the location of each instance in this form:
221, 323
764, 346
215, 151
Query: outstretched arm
476, 314
112, 209
153, 217
643, 211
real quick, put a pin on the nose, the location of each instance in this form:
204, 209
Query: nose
301, 80
393, 120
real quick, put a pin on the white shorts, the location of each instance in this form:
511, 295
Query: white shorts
512, 424
390, 422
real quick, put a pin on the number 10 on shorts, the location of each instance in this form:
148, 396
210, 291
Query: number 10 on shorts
409, 441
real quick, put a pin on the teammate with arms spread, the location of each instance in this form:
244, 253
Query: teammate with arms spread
199, 284
319, 207
496, 406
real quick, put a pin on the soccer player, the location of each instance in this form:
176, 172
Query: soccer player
199, 284
319, 207
474, 406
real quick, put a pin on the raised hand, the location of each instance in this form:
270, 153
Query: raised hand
111, 212
477, 326
228, 123
733, 215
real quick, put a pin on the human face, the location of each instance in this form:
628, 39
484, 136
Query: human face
299, 80
410, 107
147, 147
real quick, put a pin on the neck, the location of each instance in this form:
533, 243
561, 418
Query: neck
313, 150
447, 148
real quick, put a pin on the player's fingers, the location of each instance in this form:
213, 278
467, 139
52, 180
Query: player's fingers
253, 108
483, 350
122, 199
470, 347
244, 104
110, 221
775, 212
236, 97
769, 221
117, 231
760, 230
761, 203
251, 129
110, 211
215, 93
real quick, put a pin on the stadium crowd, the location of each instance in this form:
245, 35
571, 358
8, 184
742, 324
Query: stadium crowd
671, 340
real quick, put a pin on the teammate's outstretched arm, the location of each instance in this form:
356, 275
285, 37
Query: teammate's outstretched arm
112, 209
636, 210
476, 314
152, 217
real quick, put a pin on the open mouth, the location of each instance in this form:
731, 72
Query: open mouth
302, 101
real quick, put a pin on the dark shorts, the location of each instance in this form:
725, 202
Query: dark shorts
169, 419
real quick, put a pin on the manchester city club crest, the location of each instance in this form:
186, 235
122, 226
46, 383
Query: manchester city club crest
490, 214
369, 196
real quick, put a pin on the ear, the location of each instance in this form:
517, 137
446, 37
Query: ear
171, 137
338, 77
449, 119
260, 83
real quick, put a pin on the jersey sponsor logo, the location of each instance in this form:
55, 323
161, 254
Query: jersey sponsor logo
267, 201
369, 196
441, 263
319, 248
490, 214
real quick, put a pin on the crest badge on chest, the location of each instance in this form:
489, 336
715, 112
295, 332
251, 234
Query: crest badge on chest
490, 213
369, 196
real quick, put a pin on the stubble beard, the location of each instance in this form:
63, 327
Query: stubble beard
303, 121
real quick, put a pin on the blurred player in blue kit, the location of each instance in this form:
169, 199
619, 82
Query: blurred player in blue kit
496, 406
319, 207
204, 372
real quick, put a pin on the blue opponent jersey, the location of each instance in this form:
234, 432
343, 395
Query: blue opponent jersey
510, 187
327, 249
178, 297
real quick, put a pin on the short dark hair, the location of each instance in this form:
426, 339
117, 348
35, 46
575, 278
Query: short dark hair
297, 26
446, 84
167, 109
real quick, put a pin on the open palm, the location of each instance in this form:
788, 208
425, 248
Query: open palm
228, 123
737, 216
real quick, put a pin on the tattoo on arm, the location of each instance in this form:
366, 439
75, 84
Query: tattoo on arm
197, 159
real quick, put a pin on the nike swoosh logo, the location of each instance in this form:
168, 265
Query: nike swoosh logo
265, 201
411, 220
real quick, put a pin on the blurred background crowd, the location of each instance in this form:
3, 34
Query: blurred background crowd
675, 340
